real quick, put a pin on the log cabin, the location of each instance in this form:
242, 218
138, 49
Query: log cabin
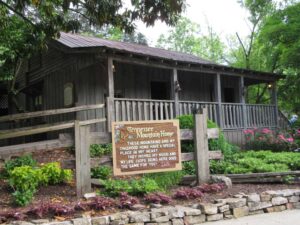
138, 82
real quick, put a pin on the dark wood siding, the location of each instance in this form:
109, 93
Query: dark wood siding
196, 86
134, 81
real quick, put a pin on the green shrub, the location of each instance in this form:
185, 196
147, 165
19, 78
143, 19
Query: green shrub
102, 172
25, 160
98, 150
189, 167
166, 180
25, 180
115, 187
133, 187
143, 186
23, 198
54, 174
187, 122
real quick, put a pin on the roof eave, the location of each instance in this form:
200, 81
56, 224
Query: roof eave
189, 64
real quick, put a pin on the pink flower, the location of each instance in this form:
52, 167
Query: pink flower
249, 131
280, 136
290, 139
266, 131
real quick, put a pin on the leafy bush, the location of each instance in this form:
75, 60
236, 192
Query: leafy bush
98, 150
187, 122
133, 187
25, 160
54, 174
275, 140
189, 167
25, 180
102, 172
114, 187
167, 179
143, 186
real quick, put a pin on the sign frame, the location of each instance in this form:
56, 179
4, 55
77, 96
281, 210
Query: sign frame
117, 171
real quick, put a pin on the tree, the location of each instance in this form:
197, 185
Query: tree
281, 32
186, 37
52, 16
116, 34
249, 52
27, 25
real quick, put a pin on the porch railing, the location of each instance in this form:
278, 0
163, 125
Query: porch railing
143, 109
233, 114
186, 107
260, 115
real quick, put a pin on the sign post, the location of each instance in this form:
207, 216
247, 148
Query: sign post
146, 147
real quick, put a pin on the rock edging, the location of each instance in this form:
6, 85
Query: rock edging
237, 206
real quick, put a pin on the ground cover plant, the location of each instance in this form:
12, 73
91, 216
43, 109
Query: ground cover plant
25, 176
136, 187
252, 162
122, 201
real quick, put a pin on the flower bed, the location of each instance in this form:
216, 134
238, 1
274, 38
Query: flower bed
226, 208
275, 140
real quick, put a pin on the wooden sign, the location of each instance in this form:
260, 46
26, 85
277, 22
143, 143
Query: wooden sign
146, 147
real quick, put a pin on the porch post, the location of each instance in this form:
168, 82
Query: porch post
218, 99
111, 93
275, 103
174, 93
243, 101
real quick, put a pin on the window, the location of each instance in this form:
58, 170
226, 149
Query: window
68, 95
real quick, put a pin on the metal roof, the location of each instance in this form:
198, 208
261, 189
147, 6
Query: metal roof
78, 41
86, 43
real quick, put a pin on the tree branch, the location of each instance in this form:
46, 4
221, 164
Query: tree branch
244, 50
17, 13
83, 15
258, 100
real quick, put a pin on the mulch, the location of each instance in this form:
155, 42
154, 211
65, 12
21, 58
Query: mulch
66, 193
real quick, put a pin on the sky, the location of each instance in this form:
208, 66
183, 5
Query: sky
226, 17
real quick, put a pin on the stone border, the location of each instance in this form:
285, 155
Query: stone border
238, 206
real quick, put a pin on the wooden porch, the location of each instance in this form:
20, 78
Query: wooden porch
234, 115
186, 90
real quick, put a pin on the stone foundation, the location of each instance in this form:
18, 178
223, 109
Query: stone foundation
223, 209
